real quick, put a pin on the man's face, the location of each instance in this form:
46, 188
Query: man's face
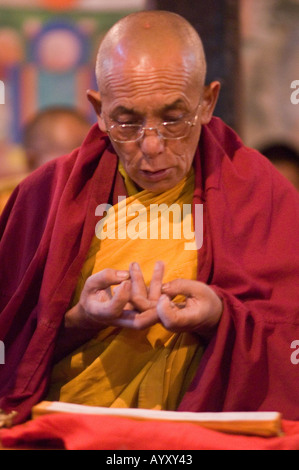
148, 94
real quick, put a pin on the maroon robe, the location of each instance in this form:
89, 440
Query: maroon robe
249, 256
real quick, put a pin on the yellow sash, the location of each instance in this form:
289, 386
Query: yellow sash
122, 367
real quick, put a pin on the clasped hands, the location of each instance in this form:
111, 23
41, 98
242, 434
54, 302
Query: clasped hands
133, 305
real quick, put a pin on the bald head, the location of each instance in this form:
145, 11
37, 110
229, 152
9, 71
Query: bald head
144, 38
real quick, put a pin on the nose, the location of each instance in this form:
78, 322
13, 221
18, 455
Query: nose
151, 143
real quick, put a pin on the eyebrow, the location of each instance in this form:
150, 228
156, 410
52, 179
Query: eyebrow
167, 107
173, 105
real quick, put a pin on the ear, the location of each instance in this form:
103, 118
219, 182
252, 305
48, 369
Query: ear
94, 98
210, 98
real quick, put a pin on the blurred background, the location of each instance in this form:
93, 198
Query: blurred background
48, 50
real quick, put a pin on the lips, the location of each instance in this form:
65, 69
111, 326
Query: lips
156, 175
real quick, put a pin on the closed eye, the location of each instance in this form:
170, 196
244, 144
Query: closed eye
174, 118
128, 120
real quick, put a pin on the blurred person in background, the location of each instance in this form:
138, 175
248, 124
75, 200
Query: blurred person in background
52, 132
285, 158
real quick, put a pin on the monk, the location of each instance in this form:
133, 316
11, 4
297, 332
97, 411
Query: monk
285, 158
157, 266
50, 133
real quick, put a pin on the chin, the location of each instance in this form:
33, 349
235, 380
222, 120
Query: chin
159, 187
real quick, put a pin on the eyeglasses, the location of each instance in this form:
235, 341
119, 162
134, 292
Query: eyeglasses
172, 130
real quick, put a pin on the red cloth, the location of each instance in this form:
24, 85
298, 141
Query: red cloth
77, 432
249, 256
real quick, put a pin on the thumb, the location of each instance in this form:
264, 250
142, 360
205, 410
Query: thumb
167, 312
186, 287
106, 278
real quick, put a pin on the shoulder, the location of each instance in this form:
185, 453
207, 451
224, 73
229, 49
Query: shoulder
31, 199
50, 173
237, 167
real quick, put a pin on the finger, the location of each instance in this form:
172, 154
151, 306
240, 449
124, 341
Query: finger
138, 283
105, 278
115, 307
156, 282
139, 289
136, 320
129, 305
196, 316
175, 318
108, 309
167, 312
186, 287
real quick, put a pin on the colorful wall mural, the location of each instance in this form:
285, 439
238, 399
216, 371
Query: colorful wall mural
47, 58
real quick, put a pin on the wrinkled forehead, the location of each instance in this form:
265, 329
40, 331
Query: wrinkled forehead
128, 64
